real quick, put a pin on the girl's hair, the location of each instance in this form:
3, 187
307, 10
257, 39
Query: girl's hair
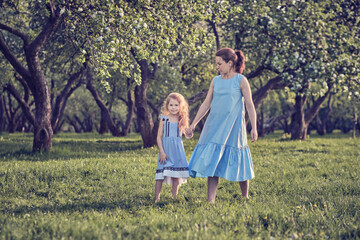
183, 109
237, 57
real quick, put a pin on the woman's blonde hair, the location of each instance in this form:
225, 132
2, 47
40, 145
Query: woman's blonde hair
183, 109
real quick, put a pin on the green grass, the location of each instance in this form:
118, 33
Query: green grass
102, 187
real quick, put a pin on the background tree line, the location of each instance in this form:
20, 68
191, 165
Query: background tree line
107, 65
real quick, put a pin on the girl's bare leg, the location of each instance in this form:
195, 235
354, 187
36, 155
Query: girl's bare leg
244, 186
175, 187
212, 187
158, 186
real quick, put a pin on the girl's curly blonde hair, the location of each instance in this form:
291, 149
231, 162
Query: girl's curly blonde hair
183, 109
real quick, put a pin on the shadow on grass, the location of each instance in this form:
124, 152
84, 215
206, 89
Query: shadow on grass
126, 204
287, 137
66, 150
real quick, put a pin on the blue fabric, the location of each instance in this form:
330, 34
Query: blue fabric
222, 150
176, 165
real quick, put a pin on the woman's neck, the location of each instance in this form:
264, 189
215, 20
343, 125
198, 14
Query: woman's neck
228, 75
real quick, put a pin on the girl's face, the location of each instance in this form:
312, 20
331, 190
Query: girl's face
174, 106
222, 66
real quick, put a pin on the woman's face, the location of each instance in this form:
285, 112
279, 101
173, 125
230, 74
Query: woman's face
222, 66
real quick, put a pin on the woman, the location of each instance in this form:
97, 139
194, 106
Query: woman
222, 150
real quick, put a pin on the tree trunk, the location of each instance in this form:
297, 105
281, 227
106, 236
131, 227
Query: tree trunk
298, 126
143, 113
300, 120
313, 111
89, 123
34, 76
325, 119
130, 104
43, 132
11, 113
103, 126
2, 114
320, 126
287, 128
74, 124
355, 122
322, 123
144, 117
81, 123
104, 110
261, 123
62, 98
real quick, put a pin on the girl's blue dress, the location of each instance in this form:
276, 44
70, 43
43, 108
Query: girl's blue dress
176, 165
222, 150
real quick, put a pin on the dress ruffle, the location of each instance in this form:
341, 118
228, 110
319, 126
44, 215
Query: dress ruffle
217, 160
167, 173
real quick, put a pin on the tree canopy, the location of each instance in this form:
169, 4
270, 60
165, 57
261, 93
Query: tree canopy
138, 51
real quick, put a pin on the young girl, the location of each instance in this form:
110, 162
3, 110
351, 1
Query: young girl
172, 166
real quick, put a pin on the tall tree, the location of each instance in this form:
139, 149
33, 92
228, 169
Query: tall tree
173, 25
31, 71
297, 45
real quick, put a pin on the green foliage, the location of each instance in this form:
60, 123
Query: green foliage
101, 187
166, 81
116, 35
83, 105
302, 41
278, 103
343, 109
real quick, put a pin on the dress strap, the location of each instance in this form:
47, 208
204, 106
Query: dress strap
166, 125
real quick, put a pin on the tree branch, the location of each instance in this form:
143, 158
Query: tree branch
13, 60
64, 95
153, 107
25, 85
134, 55
217, 39
24, 106
262, 93
52, 9
313, 111
15, 32
46, 33
197, 97
256, 72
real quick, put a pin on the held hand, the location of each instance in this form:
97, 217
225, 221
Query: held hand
189, 132
163, 158
254, 135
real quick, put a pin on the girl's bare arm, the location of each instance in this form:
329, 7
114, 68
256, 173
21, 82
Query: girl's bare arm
163, 156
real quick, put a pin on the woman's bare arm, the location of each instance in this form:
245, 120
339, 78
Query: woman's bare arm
246, 91
204, 108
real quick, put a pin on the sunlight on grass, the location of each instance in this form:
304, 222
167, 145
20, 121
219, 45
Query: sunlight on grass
101, 187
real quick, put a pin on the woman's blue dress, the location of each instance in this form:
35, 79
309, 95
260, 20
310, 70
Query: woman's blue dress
176, 165
222, 150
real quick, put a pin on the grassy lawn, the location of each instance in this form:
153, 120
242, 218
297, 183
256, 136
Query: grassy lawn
102, 187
